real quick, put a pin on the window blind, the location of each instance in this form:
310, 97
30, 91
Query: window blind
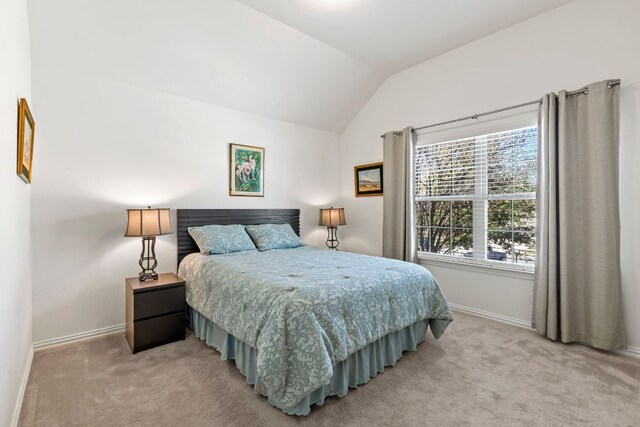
456, 170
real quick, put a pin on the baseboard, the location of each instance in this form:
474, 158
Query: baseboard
41, 345
633, 352
629, 352
23, 388
493, 316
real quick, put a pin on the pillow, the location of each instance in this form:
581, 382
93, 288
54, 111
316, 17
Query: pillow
221, 239
273, 236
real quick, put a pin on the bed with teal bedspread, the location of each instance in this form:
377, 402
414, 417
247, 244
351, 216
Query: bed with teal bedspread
301, 317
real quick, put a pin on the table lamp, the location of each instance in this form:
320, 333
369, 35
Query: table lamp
148, 223
332, 218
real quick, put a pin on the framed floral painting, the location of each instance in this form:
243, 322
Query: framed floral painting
246, 170
368, 180
26, 128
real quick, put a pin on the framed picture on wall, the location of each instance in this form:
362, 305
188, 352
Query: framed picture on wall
368, 180
26, 128
246, 170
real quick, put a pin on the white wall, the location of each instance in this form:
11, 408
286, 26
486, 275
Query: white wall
105, 146
579, 43
15, 256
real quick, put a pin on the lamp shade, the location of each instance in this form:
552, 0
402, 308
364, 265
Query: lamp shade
332, 217
148, 222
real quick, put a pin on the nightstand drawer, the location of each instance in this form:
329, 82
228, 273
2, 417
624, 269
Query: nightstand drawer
157, 330
158, 302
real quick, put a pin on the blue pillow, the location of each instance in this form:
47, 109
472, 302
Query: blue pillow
273, 236
221, 239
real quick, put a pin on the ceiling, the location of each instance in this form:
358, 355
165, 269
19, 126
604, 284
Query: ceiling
310, 62
392, 35
219, 52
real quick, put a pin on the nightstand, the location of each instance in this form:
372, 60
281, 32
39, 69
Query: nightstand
155, 311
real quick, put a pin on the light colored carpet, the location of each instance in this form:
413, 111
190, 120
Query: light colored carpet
480, 373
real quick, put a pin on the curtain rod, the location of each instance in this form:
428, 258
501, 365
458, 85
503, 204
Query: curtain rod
476, 116
610, 84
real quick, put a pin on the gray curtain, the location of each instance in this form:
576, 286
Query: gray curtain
398, 222
577, 281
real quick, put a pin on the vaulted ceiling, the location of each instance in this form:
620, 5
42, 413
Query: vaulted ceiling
309, 62
392, 35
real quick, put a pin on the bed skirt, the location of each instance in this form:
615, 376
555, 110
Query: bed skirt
356, 370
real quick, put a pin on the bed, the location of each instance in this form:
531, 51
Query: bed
304, 323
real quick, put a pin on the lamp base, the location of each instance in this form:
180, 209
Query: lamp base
148, 261
332, 238
143, 277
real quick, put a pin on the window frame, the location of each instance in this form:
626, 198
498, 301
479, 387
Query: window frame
481, 195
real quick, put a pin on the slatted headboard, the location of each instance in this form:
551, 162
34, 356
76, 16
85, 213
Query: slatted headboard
198, 217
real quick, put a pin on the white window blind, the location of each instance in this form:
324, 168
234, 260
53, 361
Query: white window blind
475, 197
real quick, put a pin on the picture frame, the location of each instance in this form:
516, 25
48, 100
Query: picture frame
26, 132
246, 170
368, 180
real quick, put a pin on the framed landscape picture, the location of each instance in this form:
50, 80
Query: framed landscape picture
26, 127
368, 180
246, 170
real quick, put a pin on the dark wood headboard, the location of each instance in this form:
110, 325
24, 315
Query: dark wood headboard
198, 217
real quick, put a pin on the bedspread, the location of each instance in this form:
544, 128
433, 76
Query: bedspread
307, 308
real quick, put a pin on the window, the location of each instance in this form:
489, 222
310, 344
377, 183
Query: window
475, 197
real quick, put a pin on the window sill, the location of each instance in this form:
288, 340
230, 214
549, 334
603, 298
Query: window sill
486, 267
